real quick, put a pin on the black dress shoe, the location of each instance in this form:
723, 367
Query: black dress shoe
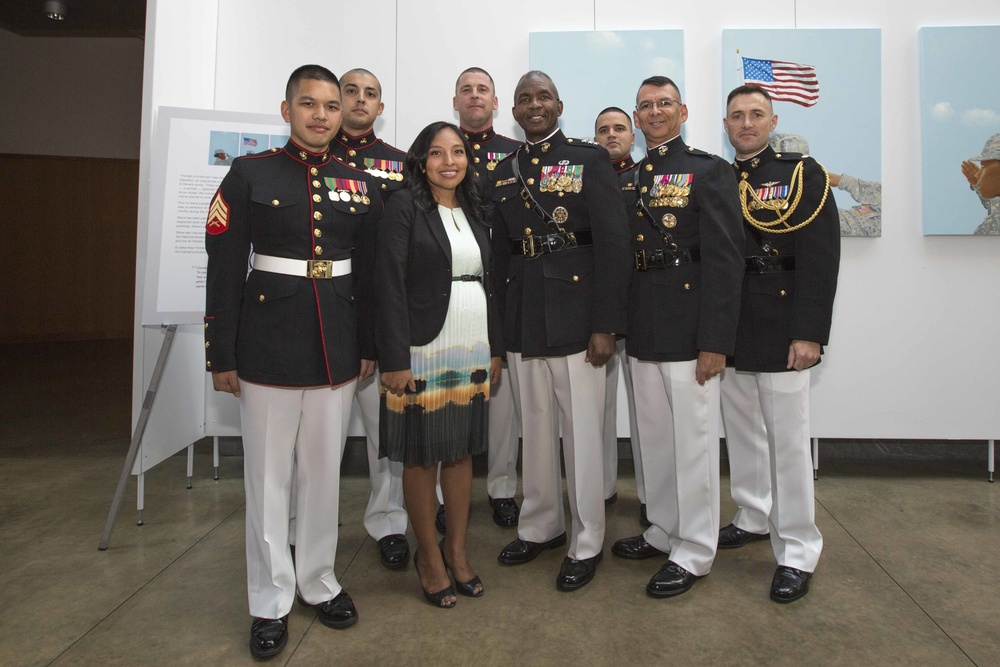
642, 516
393, 551
611, 500
635, 548
575, 574
731, 537
440, 521
789, 584
670, 580
268, 636
521, 551
505, 511
337, 613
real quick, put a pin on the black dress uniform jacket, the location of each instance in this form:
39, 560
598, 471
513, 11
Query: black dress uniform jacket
781, 306
371, 154
278, 329
624, 164
413, 271
678, 311
553, 302
488, 150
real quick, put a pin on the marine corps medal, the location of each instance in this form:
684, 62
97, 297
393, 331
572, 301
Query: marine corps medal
560, 214
669, 220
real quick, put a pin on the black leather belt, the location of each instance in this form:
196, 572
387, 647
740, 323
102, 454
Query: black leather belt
663, 258
758, 265
532, 246
467, 278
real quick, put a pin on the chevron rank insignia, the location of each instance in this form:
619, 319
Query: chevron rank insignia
218, 215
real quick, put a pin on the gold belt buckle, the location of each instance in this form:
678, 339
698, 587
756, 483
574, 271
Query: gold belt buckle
319, 268
528, 246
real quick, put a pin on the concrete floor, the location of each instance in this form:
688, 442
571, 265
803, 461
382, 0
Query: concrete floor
909, 574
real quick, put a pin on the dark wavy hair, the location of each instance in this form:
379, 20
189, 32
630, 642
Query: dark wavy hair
469, 193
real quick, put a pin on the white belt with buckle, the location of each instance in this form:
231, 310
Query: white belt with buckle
304, 268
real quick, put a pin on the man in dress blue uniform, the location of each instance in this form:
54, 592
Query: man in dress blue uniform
290, 340
792, 256
613, 131
356, 143
683, 309
357, 146
475, 100
560, 252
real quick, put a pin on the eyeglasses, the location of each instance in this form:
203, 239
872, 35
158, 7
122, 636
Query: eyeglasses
665, 103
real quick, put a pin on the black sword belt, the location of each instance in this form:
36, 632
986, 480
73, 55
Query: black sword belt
759, 265
467, 278
663, 258
532, 246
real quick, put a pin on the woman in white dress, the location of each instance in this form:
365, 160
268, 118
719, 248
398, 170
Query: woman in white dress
439, 347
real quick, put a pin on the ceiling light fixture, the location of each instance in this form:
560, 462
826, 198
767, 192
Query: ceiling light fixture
54, 10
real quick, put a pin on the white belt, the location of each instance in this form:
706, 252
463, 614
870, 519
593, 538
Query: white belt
304, 268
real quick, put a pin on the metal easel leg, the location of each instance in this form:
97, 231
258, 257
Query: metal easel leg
140, 497
815, 447
215, 457
140, 428
990, 458
190, 468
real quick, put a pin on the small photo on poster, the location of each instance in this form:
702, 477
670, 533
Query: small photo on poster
253, 143
223, 147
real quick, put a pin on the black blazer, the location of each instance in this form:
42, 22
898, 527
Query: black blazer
413, 281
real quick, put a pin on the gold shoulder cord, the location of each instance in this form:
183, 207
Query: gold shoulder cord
747, 193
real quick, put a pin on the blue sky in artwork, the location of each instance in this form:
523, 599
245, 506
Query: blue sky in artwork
587, 68
959, 111
844, 127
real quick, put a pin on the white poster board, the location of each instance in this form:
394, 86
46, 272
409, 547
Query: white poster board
194, 149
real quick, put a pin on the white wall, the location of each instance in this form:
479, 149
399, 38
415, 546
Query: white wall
70, 96
916, 317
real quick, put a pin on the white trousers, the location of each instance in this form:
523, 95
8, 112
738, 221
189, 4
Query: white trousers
620, 360
746, 442
504, 437
282, 426
679, 426
564, 392
783, 400
386, 513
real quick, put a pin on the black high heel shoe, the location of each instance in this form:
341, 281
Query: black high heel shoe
466, 588
436, 599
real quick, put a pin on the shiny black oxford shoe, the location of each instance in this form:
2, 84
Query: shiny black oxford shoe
505, 511
731, 537
670, 580
789, 584
337, 613
575, 574
441, 520
635, 548
268, 636
393, 551
522, 551
643, 519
